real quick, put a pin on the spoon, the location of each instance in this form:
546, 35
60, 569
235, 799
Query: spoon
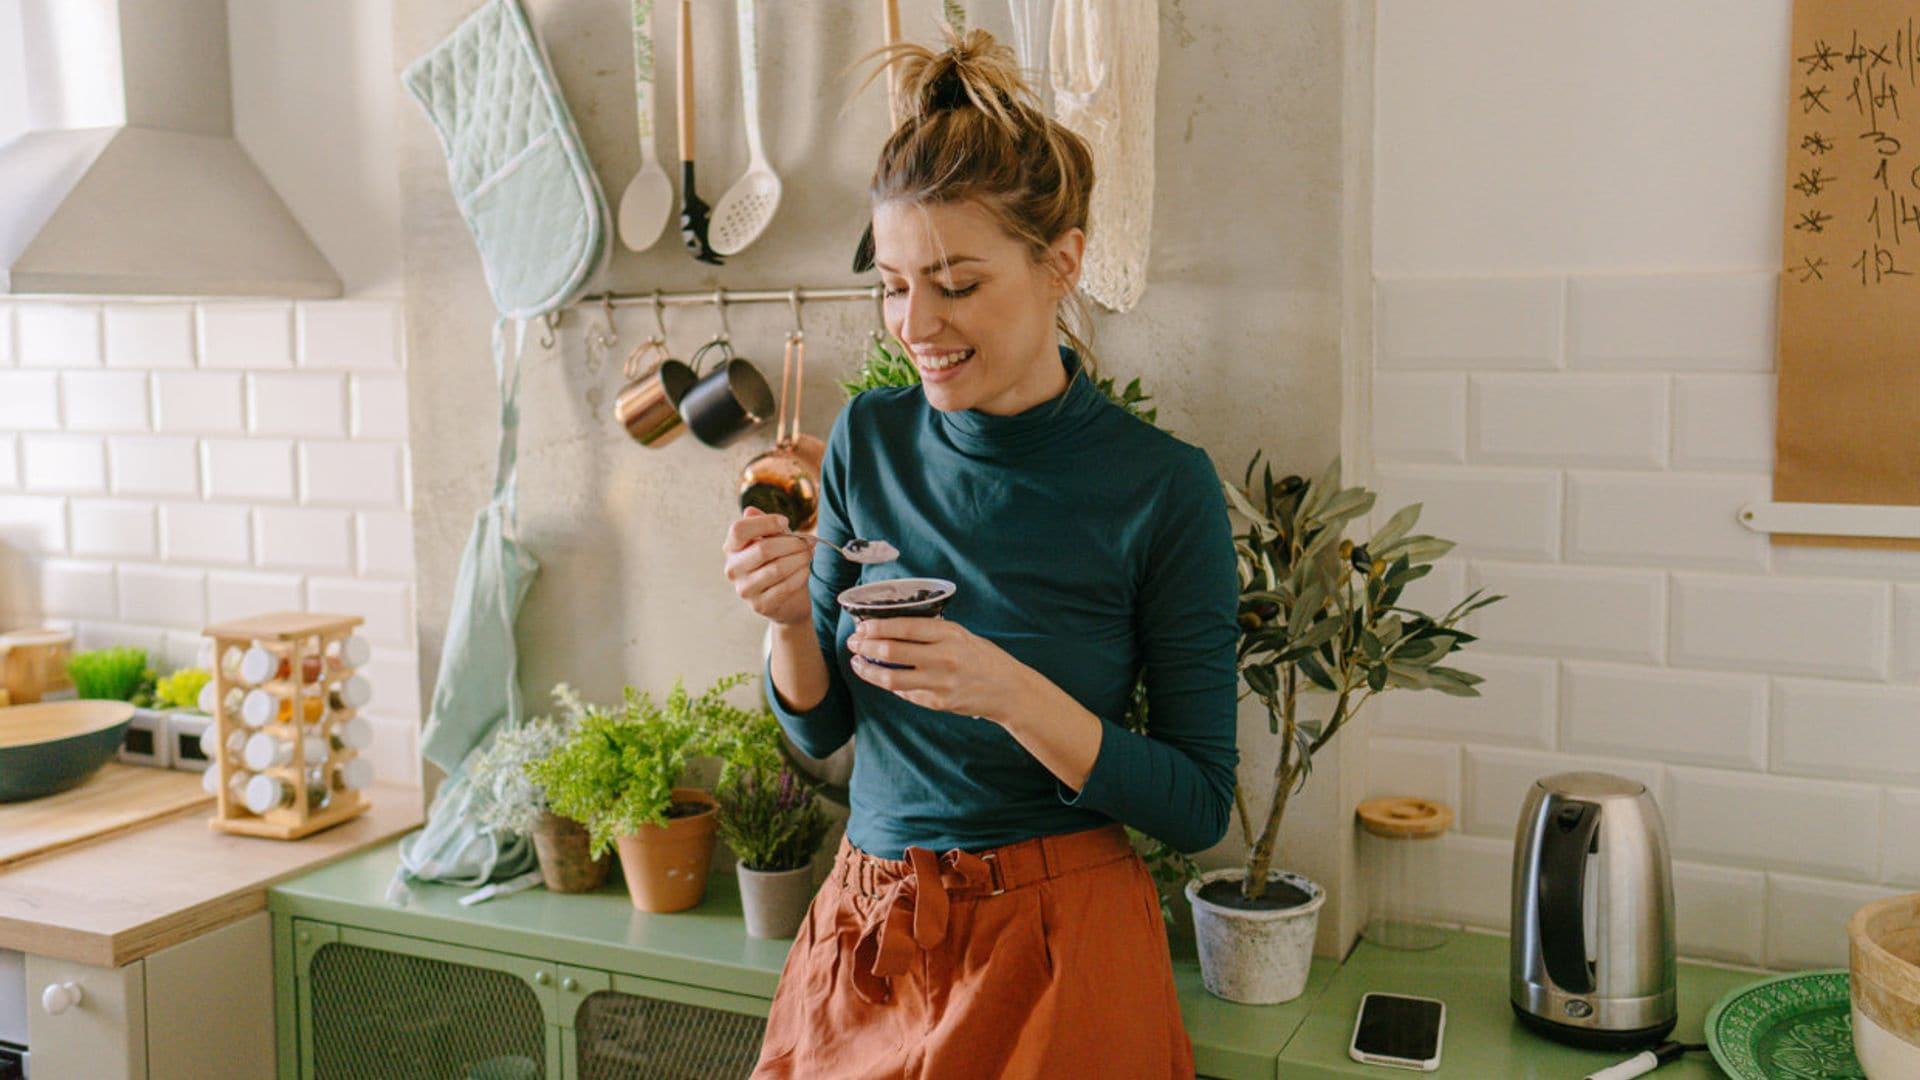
859, 550
744, 211
648, 201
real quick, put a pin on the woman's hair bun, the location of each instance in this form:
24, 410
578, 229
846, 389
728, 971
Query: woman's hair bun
975, 71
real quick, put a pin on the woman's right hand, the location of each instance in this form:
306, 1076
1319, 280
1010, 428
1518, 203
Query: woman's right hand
768, 567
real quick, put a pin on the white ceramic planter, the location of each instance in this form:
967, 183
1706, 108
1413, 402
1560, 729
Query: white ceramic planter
775, 901
1255, 957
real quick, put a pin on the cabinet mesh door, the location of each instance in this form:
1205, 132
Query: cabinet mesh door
381, 1015
626, 1037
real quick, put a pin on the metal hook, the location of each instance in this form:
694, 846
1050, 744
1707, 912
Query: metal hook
659, 317
549, 323
606, 338
799, 325
720, 306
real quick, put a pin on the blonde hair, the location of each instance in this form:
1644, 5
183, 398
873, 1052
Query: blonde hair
974, 131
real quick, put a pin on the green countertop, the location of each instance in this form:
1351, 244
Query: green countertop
1305, 1039
1482, 1040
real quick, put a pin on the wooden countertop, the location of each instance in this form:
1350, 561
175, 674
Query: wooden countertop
114, 900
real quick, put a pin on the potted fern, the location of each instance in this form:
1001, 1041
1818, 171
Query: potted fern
1319, 614
509, 799
618, 773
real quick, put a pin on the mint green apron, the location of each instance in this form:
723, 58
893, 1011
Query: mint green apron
538, 217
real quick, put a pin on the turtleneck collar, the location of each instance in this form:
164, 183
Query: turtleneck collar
1045, 425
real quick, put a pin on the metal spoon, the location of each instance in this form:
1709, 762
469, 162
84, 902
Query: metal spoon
744, 211
648, 201
859, 550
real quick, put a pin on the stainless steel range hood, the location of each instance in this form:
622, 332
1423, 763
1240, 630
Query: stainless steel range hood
128, 180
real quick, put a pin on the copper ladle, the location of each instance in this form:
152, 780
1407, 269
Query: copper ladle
786, 479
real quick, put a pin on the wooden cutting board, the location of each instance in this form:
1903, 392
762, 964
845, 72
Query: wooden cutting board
117, 797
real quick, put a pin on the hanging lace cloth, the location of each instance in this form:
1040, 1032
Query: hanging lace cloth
1105, 56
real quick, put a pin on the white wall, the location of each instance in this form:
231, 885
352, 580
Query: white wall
1577, 225
168, 464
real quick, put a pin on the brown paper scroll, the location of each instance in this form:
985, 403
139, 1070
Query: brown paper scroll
1848, 417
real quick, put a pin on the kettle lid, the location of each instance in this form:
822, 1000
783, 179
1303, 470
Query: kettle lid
1591, 785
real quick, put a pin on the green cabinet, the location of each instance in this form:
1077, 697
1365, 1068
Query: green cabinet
371, 1005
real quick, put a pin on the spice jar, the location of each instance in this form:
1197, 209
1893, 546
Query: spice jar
1400, 856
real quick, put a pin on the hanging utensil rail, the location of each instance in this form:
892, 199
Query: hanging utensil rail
723, 297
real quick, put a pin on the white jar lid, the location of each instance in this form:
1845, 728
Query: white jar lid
258, 665
262, 751
355, 691
356, 733
355, 652
207, 701
264, 793
357, 773
258, 708
210, 780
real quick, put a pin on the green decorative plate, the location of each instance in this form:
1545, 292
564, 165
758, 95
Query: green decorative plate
1790, 1027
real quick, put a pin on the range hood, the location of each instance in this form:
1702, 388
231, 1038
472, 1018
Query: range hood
128, 180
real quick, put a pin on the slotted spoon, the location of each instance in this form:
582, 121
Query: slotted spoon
744, 211
647, 203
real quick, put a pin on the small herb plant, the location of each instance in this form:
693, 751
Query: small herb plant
616, 770
181, 690
510, 799
770, 818
119, 673
1319, 612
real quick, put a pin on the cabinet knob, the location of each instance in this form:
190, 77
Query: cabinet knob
59, 997
569, 984
304, 937
542, 978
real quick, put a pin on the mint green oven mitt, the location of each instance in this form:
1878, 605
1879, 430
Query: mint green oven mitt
519, 174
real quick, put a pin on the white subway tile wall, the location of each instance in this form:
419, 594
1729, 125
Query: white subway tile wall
1588, 440
166, 465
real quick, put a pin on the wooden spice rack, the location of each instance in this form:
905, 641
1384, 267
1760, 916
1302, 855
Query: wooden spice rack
296, 639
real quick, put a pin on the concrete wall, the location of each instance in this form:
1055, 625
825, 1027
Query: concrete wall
1238, 337
1577, 231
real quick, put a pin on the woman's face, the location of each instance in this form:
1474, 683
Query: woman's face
974, 310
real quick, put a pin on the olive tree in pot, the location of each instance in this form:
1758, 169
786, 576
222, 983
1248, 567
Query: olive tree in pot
773, 822
617, 772
1318, 614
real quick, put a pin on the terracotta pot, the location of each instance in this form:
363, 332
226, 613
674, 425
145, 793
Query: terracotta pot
666, 865
775, 901
565, 865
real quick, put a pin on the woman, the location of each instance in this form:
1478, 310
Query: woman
985, 915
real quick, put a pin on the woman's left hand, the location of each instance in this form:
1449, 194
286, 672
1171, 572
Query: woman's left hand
949, 668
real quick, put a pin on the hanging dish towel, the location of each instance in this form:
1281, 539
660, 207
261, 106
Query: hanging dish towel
1104, 58
538, 217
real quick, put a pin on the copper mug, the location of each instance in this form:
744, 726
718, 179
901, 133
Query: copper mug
786, 479
649, 405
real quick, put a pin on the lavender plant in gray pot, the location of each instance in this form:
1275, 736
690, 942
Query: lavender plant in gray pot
774, 823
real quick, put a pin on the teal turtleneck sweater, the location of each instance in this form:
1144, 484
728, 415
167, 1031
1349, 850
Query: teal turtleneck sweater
1086, 543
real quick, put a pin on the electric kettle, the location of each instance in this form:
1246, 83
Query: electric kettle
1592, 941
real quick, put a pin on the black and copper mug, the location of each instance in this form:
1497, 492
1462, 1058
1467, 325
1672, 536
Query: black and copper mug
649, 405
728, 401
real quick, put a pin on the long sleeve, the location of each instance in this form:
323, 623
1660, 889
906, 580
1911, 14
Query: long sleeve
1176, 783
821, 730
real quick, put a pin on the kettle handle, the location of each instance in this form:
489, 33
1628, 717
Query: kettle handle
1562, 888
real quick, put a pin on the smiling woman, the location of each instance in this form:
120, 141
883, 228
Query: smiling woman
986, 914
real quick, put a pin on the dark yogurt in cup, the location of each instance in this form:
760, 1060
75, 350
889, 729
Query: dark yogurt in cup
897, 598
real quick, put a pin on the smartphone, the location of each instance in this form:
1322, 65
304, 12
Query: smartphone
1394, 1029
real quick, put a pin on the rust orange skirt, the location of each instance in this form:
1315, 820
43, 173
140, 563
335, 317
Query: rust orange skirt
1044, 958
